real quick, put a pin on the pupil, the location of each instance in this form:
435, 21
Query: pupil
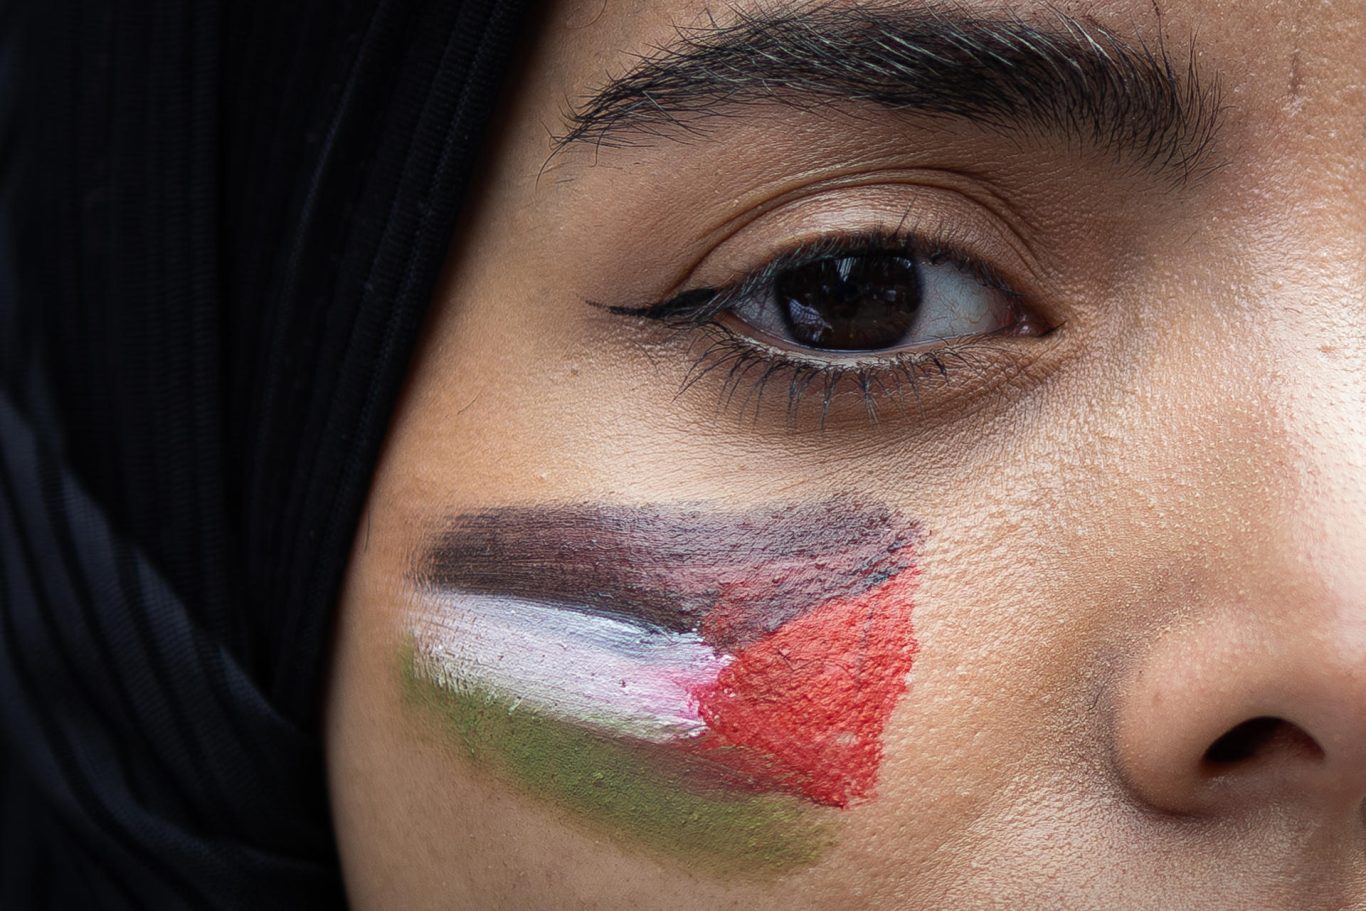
850, 303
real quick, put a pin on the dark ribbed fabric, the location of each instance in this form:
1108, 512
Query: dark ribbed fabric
220, 226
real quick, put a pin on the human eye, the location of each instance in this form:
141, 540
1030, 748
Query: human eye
874, 298
876, 315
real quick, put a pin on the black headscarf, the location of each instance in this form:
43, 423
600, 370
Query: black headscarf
220, 226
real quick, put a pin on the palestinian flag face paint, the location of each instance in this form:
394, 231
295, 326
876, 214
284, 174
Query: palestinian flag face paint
704, 681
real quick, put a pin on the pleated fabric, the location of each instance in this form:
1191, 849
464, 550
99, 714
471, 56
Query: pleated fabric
220, 227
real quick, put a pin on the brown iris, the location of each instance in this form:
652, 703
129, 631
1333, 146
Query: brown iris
850, 303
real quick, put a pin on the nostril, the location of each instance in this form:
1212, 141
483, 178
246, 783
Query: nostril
1261, 738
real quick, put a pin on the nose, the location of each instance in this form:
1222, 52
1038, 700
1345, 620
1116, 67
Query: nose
1227, 715
1248, 692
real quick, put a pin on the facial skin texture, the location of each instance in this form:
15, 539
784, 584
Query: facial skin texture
1142, 530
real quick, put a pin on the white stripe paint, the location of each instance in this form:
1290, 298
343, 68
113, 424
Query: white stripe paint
606, 673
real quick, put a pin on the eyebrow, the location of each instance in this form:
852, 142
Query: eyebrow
1062, 78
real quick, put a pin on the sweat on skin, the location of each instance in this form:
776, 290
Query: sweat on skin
711, 683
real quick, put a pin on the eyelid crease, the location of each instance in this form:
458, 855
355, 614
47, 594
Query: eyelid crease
930, 207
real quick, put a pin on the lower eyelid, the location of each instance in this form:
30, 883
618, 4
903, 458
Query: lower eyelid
754, 379
766, 345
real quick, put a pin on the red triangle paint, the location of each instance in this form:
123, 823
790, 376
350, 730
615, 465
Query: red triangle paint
804, 708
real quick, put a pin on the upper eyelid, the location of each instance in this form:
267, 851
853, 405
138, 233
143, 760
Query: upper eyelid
949, 210
972, 211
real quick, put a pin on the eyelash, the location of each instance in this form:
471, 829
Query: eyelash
699, 313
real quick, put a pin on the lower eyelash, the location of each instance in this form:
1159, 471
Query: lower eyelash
742, 362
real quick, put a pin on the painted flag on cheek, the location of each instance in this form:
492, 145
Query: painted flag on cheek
729, 656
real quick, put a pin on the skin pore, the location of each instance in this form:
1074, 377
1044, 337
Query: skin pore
1057, 603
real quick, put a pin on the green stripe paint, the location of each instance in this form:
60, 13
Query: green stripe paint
615, 790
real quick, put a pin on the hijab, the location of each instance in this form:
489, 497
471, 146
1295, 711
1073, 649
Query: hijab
220, 227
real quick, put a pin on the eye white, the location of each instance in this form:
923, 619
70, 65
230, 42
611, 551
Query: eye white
955, 303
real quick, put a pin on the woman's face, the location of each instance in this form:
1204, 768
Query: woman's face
882, 456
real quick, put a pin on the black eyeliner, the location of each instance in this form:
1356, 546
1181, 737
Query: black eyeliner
687, 303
